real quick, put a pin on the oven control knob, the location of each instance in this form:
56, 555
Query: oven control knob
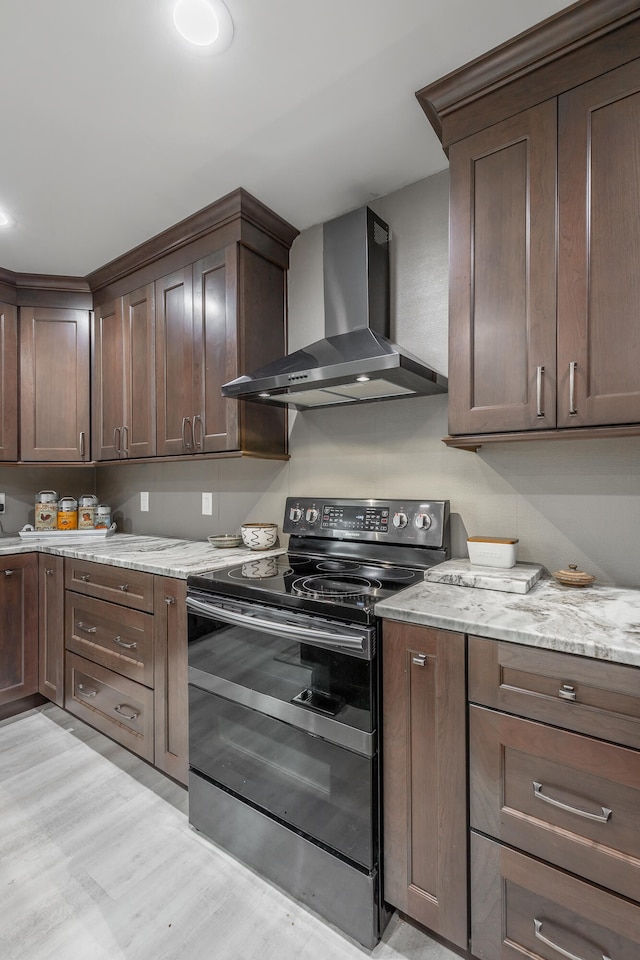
295, 514
311, 515
423, 521
399, 520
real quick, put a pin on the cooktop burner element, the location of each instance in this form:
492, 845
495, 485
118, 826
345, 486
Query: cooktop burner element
335, 566
329, 588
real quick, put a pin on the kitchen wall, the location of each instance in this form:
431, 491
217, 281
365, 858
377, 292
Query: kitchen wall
568, 502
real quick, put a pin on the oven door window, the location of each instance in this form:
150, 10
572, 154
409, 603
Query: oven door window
320, 789
328, 683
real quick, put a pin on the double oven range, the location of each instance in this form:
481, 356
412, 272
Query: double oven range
285, 699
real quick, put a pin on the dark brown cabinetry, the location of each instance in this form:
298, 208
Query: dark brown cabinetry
8, 382
54, 384
124, 419
51, 627
425, 784
569, 797
18, 627
542, 136
170, 678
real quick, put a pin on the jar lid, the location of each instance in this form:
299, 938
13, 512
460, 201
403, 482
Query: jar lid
88, 500
46, 496
574, 577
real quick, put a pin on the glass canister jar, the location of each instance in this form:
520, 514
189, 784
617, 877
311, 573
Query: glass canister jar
46, 510
87, 504
103, 516
67, 513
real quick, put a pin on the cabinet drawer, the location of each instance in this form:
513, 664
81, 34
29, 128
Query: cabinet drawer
130, 588
522, 907
115, 705
111, 635
589, 696
566, 798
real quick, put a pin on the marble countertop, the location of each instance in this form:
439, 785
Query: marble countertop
599, 621
161, 555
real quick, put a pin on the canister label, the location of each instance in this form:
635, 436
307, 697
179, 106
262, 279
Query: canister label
46, 516
67, 519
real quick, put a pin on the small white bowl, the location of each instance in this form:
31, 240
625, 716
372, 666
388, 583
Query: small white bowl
225, 540
259, 536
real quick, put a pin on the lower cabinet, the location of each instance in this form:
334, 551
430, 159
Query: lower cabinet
170, 678
18, 627
425, 779
51, 628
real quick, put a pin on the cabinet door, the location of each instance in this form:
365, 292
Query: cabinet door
8, 382
18, 627
424, 764
502, 310
599, 251
174, 363
170, 679
51, 627
139, 423
108, 385
214, 308
54, 384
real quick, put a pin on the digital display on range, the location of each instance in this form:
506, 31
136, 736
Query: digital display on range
349, 517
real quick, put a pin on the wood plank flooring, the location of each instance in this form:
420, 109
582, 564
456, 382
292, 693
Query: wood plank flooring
97, 860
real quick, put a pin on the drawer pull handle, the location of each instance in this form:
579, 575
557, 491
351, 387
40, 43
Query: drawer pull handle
48, 571
84, 577
128, 716
85, 693
537, 929
124, 587
599, 817
127, 646
567, 692
82, 626
419, 659
8, 573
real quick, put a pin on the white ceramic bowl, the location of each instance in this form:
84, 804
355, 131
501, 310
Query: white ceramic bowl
225, 540
259, 536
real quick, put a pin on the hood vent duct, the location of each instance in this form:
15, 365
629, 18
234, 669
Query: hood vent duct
356, 361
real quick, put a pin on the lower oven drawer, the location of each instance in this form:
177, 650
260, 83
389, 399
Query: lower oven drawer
115, 705
321, 789
521, 907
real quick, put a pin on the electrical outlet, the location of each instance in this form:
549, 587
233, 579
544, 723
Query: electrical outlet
207, 504
144, 501
2, 503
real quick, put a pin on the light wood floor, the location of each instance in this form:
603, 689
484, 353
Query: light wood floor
98, 862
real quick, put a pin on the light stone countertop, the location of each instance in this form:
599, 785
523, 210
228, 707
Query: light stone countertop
599, 621
161, 555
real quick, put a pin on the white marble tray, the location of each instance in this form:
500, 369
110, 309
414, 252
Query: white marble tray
462, 573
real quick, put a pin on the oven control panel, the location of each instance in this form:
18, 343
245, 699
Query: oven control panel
418, 522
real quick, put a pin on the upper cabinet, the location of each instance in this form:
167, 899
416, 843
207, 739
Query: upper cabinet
219, 309
54, 384
543, 137
8, 382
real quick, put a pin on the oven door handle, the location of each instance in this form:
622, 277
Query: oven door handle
317, 637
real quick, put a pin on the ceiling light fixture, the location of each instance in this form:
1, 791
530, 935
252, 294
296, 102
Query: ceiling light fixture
206, 24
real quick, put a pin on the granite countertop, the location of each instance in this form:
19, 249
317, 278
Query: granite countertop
599, 621
161, 555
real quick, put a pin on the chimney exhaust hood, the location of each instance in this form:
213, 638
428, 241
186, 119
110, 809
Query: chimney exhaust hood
356, 362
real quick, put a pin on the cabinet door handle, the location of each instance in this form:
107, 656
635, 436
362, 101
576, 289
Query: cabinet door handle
185, 421
85, 693
48, 571
128, 716
572, 388
123, 586
599, 817
197, 420
127, 646
82, 626
419, 659
9, 573
537, 929
567, 692
169, 600
125, 442
539, 404
81, 444
116, 440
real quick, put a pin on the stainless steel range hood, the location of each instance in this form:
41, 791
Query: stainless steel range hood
356, 361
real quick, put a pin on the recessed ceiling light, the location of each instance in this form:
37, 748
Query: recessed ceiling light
206, 24
5, 219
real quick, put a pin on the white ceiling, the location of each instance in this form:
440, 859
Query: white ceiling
110, 131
